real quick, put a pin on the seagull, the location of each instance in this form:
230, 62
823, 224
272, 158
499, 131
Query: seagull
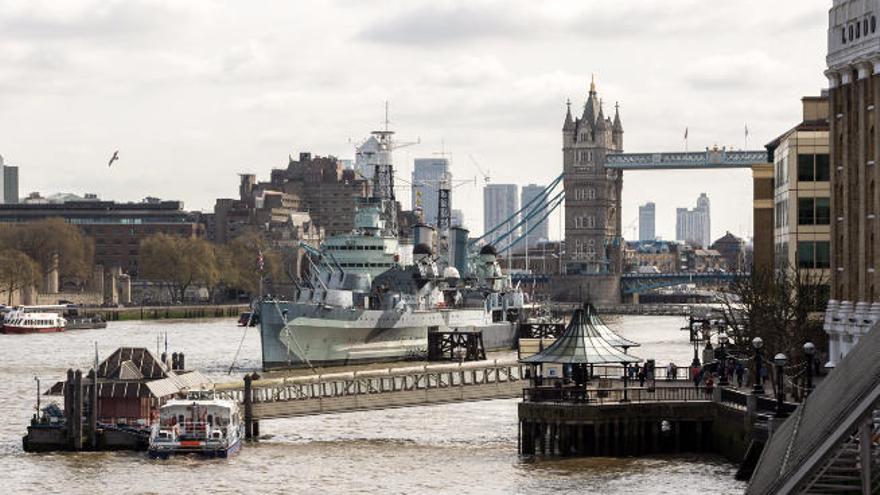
113, 158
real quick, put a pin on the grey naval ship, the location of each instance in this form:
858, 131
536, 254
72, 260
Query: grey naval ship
361, 302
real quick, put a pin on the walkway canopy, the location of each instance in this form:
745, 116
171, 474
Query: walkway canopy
606, 333
581, 343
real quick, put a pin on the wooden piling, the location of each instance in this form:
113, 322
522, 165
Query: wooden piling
248, 407
77, 410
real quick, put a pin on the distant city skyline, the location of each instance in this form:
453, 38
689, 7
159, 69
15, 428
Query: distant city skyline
647, 221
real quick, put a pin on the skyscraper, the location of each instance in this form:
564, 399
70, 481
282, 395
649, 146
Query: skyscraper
692, 226
541, 231
647, 221
8, 183
500, 202
426, 176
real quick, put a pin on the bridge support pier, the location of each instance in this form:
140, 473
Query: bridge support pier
635, 299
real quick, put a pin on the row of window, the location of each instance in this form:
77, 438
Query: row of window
814, 168
814, 254
857, 28
814, 211
366, 265
582, 194
586, 222
781, 212
355, 248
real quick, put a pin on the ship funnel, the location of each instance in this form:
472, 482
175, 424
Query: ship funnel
423, 234
458, 249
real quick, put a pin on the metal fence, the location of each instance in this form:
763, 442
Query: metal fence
615, 395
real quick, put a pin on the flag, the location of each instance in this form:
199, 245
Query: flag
685, 132
260, 259
747, 130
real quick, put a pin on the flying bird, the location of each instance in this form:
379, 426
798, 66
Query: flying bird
113, 158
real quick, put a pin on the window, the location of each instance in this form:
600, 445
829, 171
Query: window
873, 24
843, 35
813, 168
813, 254
823, 211
865, 26
814, 211
851, 31
806, 168
858, 29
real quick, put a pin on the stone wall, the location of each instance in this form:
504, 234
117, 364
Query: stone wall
601, 290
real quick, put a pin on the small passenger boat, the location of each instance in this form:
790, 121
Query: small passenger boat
200, 424
21, 321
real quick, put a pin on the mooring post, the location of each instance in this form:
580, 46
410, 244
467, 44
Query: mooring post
93, 412
68, 406
248, 408
78, 410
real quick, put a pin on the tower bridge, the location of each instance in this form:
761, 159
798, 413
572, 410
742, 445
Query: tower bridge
592, 170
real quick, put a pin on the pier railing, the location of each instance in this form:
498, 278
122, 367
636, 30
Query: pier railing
378, 389
615, 395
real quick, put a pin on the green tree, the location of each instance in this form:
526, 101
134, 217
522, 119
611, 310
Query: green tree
17, 270
178, 263
52, 243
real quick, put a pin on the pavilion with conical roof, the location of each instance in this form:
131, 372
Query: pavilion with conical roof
581, 343
606, 333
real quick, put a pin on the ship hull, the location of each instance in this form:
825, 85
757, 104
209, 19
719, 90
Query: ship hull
23, 330
321, 336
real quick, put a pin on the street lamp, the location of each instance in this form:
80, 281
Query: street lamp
779, 360
809, 351
758, 387
722, 363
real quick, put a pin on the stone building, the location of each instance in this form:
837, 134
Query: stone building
117, 228
311, 198
853, 73
733, 251
592, 192
801, 194
854, 79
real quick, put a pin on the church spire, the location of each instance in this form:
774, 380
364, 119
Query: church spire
600, 119
592, 84
569, 122
617, 127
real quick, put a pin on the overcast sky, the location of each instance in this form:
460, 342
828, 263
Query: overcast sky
194, 92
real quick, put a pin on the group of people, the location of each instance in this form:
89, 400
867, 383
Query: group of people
732, 368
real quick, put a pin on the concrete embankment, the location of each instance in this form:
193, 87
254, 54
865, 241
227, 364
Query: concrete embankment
166, 312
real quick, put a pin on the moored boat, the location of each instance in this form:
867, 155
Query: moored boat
200, 424
20, 321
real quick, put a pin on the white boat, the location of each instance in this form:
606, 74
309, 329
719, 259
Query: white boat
21, 320
200, 424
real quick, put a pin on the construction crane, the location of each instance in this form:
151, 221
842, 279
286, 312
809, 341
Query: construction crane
631, 227
485, 173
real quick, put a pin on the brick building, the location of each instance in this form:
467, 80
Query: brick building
117, 228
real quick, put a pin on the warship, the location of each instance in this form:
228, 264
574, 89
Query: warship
360, 302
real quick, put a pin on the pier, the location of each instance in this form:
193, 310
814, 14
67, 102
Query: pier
375, 389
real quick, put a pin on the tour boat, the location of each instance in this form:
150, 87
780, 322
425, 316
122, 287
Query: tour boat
200, 424
22, 321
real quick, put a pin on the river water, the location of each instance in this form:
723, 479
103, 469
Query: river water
453, 448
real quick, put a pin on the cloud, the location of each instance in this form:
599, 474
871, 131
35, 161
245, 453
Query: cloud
432, 24
733, 71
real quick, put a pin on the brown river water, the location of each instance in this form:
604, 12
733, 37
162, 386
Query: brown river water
453, 448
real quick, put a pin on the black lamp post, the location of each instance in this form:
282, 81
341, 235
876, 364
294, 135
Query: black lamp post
625, 382
809, 351
722, 363
779, 360
758, 387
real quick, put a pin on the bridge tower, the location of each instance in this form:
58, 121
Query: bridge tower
593, 239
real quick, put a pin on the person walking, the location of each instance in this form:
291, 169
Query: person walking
642, 376
695, 376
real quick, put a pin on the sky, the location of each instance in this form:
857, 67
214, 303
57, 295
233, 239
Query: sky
193, 93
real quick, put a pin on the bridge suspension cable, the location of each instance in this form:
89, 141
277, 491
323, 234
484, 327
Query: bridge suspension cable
554, 203
528, 206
